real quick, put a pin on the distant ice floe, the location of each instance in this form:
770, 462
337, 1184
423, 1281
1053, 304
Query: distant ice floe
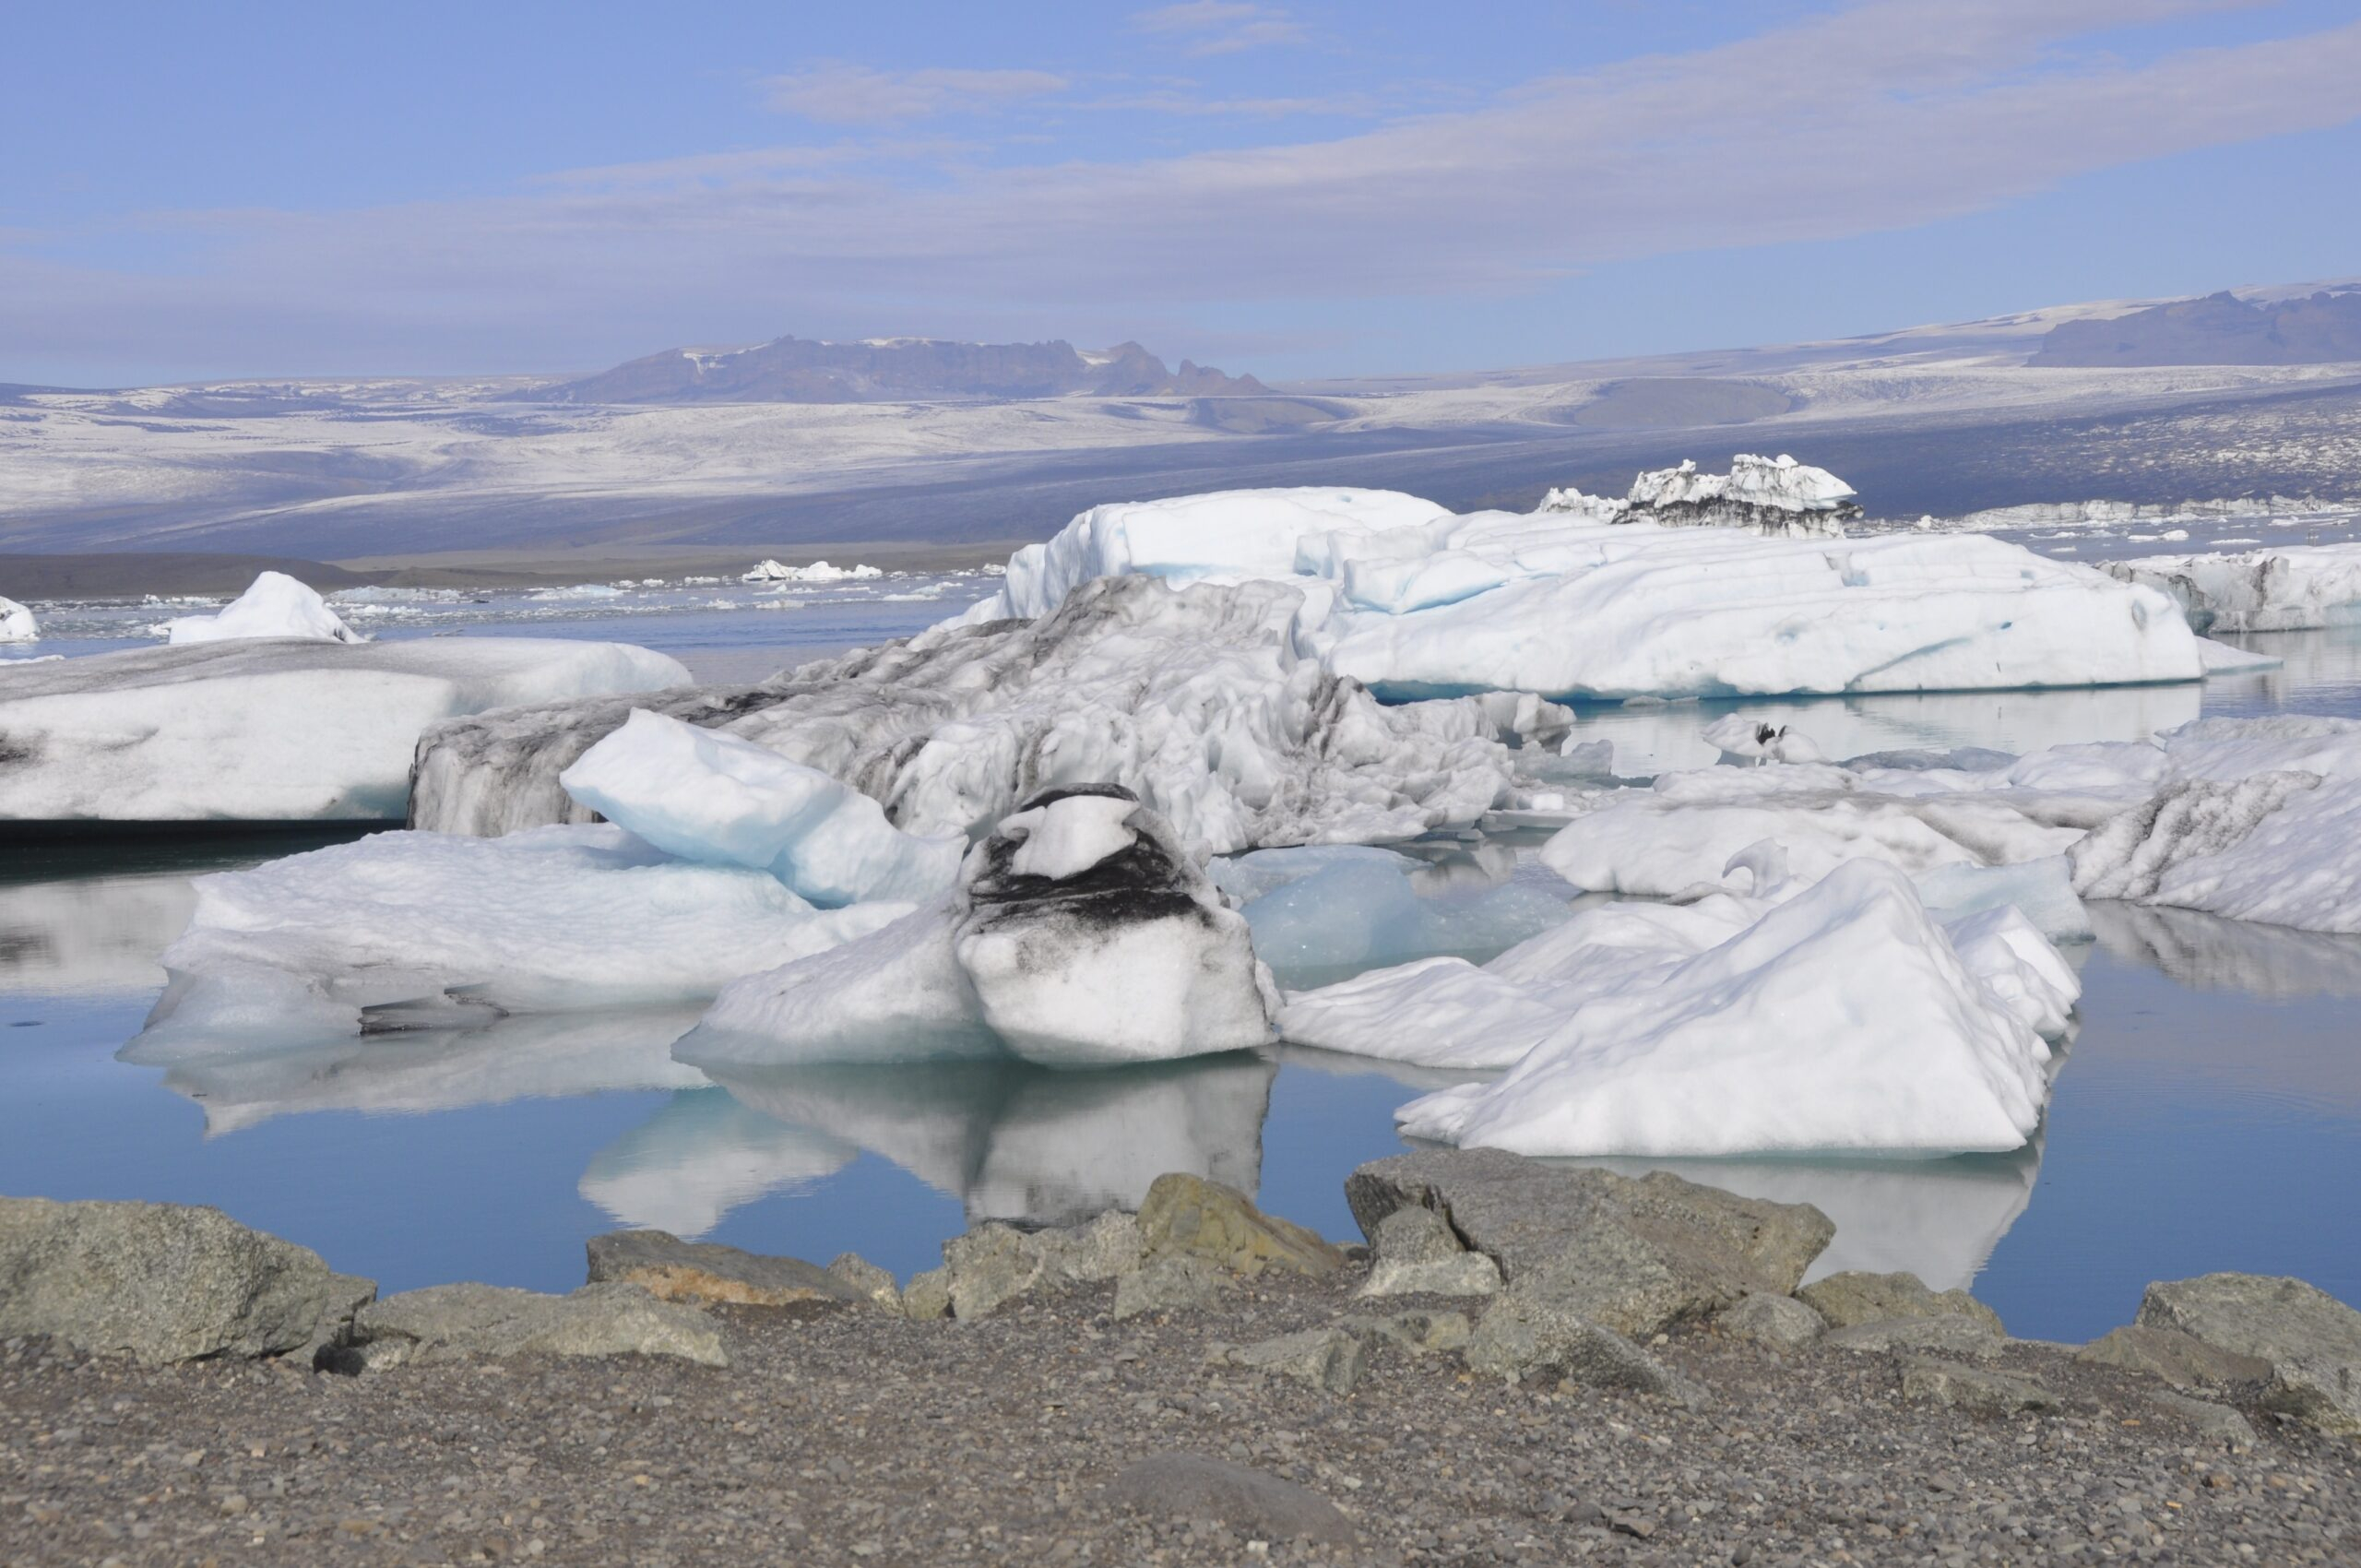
1588, 602
2291, 588
818, 572
1084, 934
16, 623
274, 605
274, 729
1771, 495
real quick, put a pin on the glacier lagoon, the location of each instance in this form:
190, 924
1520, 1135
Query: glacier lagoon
2211, 1088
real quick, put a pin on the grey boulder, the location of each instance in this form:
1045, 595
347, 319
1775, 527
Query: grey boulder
1979, 1391
1952, 1336
1416, 1253
1190, 1487
1780, 1322
1844, 1300
1327, 1359
2181, 1359
447, 1322
702, 1272
2311, 1339
1168, 1284
1524, 1336
1636, 1256
164, 1282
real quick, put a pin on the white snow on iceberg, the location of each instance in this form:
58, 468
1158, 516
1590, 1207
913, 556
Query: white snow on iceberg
1841, 1019
16, 622
274, 605
1415, 602
818, 572
271, 730
1771, 495
705, 795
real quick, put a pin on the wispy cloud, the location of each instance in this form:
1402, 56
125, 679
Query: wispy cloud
1844, 124
1221, 27
836, 93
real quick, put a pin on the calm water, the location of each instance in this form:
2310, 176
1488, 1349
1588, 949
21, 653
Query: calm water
2208, 1115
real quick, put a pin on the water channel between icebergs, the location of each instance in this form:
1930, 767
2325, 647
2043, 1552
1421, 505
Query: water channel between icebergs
2208, 1115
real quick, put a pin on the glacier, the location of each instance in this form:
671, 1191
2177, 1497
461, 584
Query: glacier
2291, 588
1591, 604
1191, 697
707, 796
1841, 1019
1111, 946
274, 605
276, 730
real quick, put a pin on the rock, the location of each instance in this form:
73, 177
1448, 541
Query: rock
1418, 1333
1854, 1296
446, 1322
1107, 1248
1462, 1274
1781, 1321
988, 1266
1635, 1255
1952, 1336
701, 1272
1979, 1391
2181, 1359
1324, 1358
1527, 1336
1189, 1487
2217, 1423
2311, 1339
873, 1283
1168, 1284
1188, 1213
928, 1296
164, 1282
1415, 1234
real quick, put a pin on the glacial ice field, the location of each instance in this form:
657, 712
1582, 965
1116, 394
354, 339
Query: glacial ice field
2206, 1096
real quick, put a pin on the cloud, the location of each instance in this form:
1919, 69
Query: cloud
1221, 27
1847, 123
836, 93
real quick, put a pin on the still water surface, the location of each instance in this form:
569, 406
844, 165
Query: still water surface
2208, 1115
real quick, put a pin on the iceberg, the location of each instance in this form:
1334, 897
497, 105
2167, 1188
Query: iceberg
1771, 495
1842, 1019
1596, 604
1356, 909
16, 622
427, 930
709, 796
1128, 953
1192, 698
2283, 847
271, 730
818, 572
2287, 589
274, 605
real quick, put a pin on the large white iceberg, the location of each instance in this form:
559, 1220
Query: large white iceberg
2286, 589
1106, 944
16, 622
1842, 1019
1416, 601
274, 605
1195, 699
439, 929
709, 796
275, 730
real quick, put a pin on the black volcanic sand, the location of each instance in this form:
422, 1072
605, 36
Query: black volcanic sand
858, 1437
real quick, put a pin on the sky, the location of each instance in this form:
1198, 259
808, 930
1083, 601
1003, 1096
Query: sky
261, 190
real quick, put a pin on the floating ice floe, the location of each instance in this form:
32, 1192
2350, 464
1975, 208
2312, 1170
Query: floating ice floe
274, 605
1192, 698
16, 623
2287, 589
427, 930
1589, 603
1322, 912
1111, 947
709, 796
1841, 1019
275, 730
1773, 495
818, 572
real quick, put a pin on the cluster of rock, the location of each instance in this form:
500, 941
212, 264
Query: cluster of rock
1581, 1276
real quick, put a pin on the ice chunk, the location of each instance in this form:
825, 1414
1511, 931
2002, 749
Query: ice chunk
1357, 914
1070, 835
818, 572
1842, 1019
16, 622
707, 795
1131, 956
553, 921
2286, 589
1573, 603
2018, 966
2281, 847
271, 730
2042, 891
274, 605
1193, 699
1738, 737
2130, 856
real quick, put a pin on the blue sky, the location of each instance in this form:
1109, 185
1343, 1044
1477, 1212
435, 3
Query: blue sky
1297, 189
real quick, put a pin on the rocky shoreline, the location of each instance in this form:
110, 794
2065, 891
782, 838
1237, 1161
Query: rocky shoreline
1522, 1363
